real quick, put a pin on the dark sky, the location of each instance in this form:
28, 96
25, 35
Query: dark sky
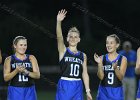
36, 19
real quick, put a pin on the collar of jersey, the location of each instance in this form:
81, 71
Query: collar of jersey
76, 54
20, 59
112, 60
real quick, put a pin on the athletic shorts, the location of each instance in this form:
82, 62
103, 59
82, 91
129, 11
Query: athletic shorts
110, 93
21, 93
69, 90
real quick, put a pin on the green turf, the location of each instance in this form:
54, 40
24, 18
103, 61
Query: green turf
50, 95
46, 95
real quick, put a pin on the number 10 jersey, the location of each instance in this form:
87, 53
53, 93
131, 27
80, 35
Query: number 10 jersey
72, 64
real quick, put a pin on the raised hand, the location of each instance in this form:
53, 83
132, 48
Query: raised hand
61, 15
97, 59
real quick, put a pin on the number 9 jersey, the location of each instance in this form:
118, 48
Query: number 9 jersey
110, 79
110, 87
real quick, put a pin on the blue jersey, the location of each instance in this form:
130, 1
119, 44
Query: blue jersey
70, 86
71, 64
21, 87
20, 80
110, 79
110, 87
131, 57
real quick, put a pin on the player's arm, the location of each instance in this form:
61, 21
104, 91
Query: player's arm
100, 72
35, 73
120, 73
60, 41
137, 69
86, 78
8, 75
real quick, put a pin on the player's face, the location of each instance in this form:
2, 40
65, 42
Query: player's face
21, 46
111, 44
73, 38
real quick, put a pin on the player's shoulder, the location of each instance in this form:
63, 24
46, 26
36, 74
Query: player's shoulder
124, 58
31, 56
104, 55
8, 58
138, 50
81, 52
84, 54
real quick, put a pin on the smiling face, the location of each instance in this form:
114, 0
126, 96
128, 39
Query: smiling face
111, 44
73, 38
21, 46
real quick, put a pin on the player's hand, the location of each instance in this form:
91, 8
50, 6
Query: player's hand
20, 68
115, 64
97, 59
89, 97
61, 15
26, 72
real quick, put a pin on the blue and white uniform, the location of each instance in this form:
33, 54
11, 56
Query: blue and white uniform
21, 87
70, 85
110, 87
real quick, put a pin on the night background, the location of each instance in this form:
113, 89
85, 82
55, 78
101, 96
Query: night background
95, 19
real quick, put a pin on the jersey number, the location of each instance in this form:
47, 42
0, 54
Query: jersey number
111, 78
22, 78
74, 70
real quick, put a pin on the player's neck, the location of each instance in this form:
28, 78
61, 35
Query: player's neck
73, 49
20, 56
112, 55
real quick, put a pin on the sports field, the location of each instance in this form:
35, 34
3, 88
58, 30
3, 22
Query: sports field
50, 95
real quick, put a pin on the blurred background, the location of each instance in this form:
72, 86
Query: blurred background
36, 20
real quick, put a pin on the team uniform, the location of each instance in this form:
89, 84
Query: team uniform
70, 85
129, 81
110, 87
21, 87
